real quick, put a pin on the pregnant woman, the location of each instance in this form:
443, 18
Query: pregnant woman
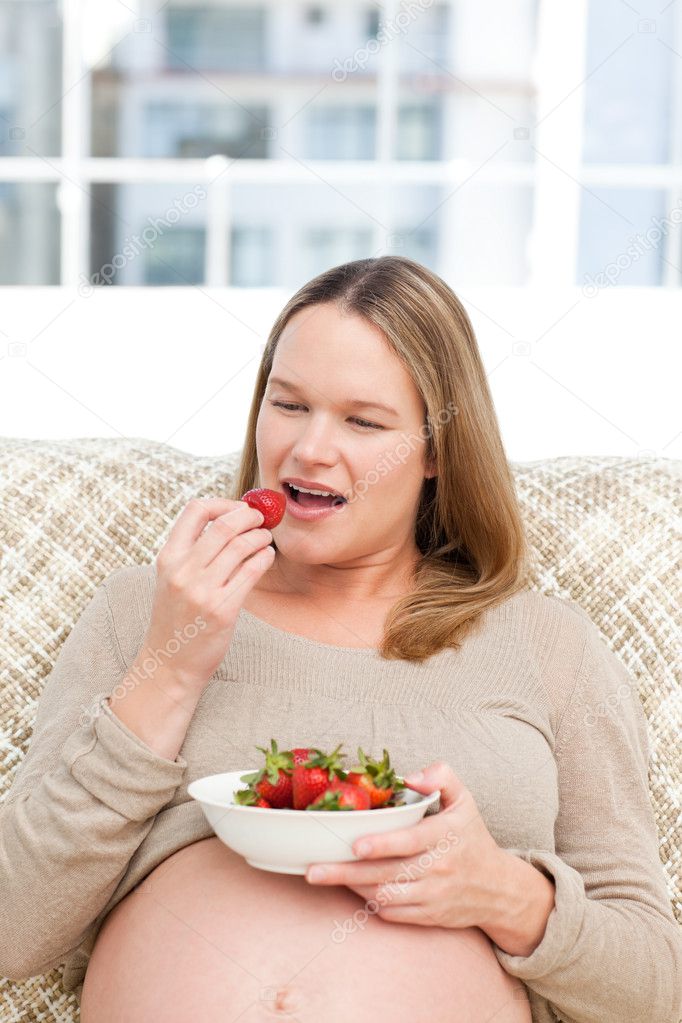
389, 608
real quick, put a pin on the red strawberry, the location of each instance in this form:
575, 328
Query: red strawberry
377, 778
273, 781
271, 503
341, 795
313, 776
248, 797
301, 754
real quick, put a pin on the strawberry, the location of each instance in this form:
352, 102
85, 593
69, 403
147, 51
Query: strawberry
271, 503
249, 797
397, 799
377, 778
312, 776
301, 754
341, 795
273, 782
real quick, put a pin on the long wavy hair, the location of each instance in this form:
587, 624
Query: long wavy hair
468, 525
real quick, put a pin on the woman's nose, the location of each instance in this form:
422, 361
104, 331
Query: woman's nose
315, 442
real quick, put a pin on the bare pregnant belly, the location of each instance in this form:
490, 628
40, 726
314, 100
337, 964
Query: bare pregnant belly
207, 938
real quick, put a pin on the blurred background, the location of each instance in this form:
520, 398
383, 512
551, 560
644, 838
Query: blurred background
173, 171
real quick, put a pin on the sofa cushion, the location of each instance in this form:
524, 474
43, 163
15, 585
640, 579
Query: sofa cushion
603, 530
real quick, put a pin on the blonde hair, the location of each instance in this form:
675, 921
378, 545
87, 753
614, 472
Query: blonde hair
468, 525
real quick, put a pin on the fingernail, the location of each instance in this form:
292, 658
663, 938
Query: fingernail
414, 779
317, 874
362, 848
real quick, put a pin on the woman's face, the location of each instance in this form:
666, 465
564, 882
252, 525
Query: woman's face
308, 428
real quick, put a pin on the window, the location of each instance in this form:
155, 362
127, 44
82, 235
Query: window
29, 234
419, 244
201, 130
629, 116
177, 257
340, 133
30, 78
251, 257
315, 15
373, 22
225, 38
326, 247
622, 235
496, 146
630, 232
148, 234
426, 41
419, 132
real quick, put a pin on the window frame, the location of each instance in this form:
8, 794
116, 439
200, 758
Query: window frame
556, 176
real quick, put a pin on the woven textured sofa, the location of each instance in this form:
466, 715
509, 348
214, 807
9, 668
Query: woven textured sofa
604, 532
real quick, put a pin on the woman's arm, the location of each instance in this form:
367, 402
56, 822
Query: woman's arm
83, 799
612, 949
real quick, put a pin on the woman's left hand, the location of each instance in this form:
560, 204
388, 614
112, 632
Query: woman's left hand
444, 871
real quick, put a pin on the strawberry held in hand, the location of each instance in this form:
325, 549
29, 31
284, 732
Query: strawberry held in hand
376, 777
271, 503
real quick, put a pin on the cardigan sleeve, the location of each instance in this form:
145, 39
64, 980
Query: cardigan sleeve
612, 949
81, 802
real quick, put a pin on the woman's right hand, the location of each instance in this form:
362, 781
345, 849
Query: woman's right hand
202, 578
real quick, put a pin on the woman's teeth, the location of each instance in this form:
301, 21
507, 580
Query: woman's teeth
317, 493
311, 498
297, 491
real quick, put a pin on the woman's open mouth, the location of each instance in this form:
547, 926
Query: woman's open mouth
311, 506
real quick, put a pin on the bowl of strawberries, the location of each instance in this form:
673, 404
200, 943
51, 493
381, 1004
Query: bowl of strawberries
302, 806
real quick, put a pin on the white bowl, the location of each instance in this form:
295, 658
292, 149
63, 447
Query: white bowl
288, 841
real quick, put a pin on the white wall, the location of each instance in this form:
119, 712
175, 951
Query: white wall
570, 374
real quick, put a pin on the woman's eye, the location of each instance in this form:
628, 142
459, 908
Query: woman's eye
364, 423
